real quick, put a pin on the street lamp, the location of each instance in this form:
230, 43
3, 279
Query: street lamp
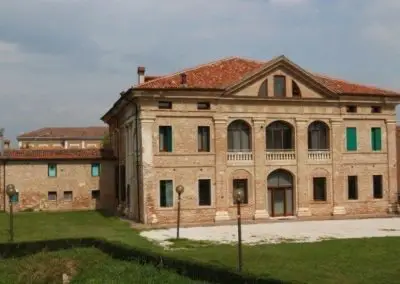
179, 190
238, 196
11, 192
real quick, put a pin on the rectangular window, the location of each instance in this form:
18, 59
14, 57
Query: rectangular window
378, 186
352, 187
279, 86
165, 133
351, 138
164, 105
204, 192
203, 138
319, 188
52, 195
352, 109
166, 193
95, 170
243, 184
376, 109
376, 138
96, 194
203, 105
67, 195
52, 170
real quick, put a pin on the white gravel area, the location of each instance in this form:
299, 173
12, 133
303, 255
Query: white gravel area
297, 231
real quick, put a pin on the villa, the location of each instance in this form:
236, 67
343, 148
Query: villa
300, 144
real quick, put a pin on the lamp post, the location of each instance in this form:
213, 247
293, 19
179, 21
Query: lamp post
238, 195
11, 192
179, 190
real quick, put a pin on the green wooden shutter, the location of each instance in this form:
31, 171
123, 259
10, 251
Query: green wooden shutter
169, 139
376, 139
351, 138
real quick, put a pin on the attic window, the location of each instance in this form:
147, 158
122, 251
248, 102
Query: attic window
279, 86
263, 91
164, 105
376, 109
351, 108
295, 90
203, 105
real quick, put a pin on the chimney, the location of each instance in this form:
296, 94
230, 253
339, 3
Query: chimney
140, 71
1, 141
183, 79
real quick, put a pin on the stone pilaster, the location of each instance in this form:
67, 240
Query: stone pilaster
149, 184
303, 198
336, 143
259, 193
221, 192
392, 165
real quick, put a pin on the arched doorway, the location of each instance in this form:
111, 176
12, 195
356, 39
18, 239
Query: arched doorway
280, 193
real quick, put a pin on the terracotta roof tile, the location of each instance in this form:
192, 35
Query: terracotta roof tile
57, 154
215, 75
229, 71
97, 132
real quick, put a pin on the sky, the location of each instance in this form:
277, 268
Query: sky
64, 62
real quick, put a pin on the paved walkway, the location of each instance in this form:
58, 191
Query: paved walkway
307, 231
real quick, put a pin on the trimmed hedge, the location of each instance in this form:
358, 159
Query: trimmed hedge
190, 269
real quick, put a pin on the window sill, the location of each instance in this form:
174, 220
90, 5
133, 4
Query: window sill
320, 202
164, 154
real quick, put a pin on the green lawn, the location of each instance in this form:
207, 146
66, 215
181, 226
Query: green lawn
374, 260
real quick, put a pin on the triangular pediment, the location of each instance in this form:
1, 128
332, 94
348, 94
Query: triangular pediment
297, 81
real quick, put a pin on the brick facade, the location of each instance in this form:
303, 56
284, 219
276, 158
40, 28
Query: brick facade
73, 187
185, 165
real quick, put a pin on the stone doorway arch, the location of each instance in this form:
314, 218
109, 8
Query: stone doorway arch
280, 193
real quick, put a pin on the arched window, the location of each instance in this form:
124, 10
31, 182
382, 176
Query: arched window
280, 179
295, 90
279, 136
318, 136
239, 136
263, 91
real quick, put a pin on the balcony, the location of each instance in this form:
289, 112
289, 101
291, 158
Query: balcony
240, 156
319, 155
280, 155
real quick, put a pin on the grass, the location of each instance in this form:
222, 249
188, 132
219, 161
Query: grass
83, 266
375, 260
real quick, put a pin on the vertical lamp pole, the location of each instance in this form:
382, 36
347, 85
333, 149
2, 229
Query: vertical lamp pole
239, 193
179, 190
11, 192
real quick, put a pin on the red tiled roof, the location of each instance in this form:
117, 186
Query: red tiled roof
215, 75
94, 132
57, 154
229, 71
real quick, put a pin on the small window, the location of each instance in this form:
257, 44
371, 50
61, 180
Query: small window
376, 138
67, 195
351, 108
319, 188
166, 193
52, 170
376, 109
243, 184
15, 198
52, 195
96, 194
279, 86
352, 187
204, 192
203, 138
296, 93
95, 170
263, 90
164, 105
203, 105
377, 186
165, 136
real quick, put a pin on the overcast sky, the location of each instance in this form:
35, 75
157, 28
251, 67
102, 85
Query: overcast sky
64, 62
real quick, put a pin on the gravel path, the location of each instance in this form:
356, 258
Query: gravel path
304, 231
